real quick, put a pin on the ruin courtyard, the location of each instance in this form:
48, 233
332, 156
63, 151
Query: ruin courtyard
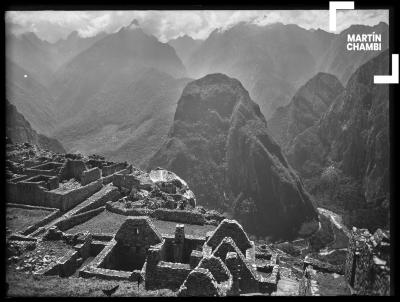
84, 226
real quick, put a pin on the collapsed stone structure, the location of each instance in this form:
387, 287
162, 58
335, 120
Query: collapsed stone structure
367, 268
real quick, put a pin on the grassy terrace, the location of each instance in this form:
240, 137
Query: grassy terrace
25, 285
108, 222
17, 219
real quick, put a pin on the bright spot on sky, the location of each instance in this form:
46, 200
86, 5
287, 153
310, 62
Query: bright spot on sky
25, 75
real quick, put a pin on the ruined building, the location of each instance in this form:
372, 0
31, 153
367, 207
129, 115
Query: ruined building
367, 267
69, 215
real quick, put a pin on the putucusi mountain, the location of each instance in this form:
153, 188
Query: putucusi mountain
344, 157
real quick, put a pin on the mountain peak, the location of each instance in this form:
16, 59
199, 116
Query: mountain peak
219, 142
134, 23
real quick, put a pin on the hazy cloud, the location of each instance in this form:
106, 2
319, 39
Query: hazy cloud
166, 25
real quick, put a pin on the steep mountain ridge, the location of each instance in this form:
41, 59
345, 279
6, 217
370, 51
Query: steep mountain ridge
307, 106
19, 130
219, 143
352, 138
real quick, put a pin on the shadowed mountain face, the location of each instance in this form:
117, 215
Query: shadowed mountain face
219, 143
352, 138
19, 130
273, 61
305, 109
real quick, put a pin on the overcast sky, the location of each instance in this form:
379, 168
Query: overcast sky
166, 25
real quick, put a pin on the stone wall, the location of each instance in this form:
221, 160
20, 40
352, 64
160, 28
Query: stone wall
200, 283
89, 176
19, 178
305, 283
96, 267
71, 221
183, 216
129, 212
35, 172
168, 275
99, 199
49, 168
125, 180
111, 169
72, 169
232, 229
239, 267
53, 215
217, 268
67, 200
367, 268
26, 193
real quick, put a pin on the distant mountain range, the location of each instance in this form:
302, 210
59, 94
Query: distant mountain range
106, 93
273, 61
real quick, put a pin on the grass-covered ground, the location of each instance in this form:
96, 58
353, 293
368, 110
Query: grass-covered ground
17, 219
105, 222
26, 285
108, 222
168, 227
330, 284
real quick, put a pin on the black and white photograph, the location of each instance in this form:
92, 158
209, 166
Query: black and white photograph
198, 152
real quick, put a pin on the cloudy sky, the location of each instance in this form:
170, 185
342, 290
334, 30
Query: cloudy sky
166, 25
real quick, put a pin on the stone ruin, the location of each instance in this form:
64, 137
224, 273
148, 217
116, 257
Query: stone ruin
367, 268
192, 266
72, 189
43, 181
217, 266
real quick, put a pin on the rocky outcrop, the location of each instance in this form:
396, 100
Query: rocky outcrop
19, 130
305, 109
352, 136
220, 145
